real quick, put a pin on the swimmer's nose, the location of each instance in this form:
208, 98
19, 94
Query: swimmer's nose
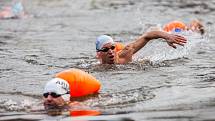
110, 51
49, 98
111, 54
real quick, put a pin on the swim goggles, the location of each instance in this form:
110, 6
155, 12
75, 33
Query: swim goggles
105, 49
53, 94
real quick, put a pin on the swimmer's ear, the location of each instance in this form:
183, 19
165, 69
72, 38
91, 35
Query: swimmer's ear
187, 27
198, 26
202, 30
97, 55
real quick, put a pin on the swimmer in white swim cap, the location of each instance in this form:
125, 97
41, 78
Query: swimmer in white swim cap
107, 53
56, 93
61, 92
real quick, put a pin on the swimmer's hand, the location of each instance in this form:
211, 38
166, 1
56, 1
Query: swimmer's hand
175, 39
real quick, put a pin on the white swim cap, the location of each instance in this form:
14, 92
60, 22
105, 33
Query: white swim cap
102, 40
59, 86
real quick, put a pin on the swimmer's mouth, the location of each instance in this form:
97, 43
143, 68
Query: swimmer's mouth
54, 106
50, 106
53, 111
111, 60
111, 56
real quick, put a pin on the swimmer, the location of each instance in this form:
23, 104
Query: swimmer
61, 91
13, 12
178, 26
107, 54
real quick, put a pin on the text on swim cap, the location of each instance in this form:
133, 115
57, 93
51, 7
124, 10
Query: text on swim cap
64, 85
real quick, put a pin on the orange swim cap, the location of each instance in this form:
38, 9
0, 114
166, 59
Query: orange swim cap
174, 26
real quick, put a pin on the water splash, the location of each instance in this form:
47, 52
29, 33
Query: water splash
157, 52
120, 100
12, 105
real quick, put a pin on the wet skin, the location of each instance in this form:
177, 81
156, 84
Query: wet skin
51, 102
108, 57
125, 55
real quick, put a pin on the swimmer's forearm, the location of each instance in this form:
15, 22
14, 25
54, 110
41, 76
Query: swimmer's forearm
155, 35
144, 39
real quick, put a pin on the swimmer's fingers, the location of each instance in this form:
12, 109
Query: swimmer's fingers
179, 43
173, 38
172, 45
176, 39
181, 39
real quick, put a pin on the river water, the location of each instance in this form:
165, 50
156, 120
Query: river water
172, 85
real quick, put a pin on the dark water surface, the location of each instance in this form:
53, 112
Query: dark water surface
175, 85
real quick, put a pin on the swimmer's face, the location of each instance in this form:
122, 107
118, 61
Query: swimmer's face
107, 54
52, 101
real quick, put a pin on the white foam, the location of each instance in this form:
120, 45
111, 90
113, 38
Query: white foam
157, 52
12, 105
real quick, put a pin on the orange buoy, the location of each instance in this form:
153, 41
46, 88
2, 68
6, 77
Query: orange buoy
80, 82
84, 113
176, 26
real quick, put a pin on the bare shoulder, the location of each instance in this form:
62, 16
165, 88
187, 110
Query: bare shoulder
125, 55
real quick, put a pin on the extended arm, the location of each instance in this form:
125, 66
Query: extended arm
140, 42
